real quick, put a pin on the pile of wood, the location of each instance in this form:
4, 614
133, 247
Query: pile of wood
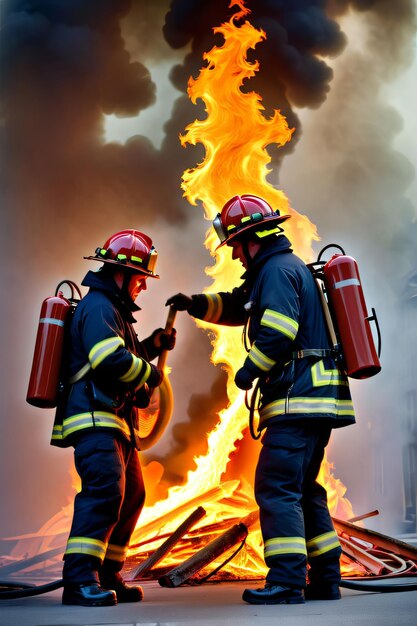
366, 553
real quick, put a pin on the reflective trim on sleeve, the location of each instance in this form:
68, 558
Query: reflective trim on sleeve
116, 553
215, 307
322, 377
86, 545
260, 359
280, 322
285, 545
102, 419
134, 370
145, 376
321, 406
322, 543
57, 433
102, 349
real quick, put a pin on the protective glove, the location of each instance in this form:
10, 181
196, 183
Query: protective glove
162, 340
180, 302
243, 379
156, 377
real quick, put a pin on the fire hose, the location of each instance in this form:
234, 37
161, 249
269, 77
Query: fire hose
158, 415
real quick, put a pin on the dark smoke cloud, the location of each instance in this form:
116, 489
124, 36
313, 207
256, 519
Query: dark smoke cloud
63, 64
292, 70
64, 191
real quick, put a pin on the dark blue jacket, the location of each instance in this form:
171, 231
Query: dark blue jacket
280, 302
116, 366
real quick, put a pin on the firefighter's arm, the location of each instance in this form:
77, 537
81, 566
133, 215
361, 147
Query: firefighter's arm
226, 308
278, 329
107, 354
157, 342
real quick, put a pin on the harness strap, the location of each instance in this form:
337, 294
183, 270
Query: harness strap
301, 354
79, 375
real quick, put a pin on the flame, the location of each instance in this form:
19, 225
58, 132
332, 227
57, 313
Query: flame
235, 134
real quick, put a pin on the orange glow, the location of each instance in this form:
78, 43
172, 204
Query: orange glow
235, 134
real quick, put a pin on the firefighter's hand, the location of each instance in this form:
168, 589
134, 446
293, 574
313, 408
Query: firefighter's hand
243, 379
180, 302
162, 340
156, 377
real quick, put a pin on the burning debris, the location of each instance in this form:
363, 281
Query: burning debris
227, 542
196, 551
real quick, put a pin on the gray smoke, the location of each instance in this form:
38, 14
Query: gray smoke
64, 190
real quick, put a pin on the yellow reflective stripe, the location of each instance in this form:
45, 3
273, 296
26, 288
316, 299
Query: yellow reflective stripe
260, 359
86, 545
307, 406
102, 349
134, 370
322, 543
265, 233
285, 545
116, 553
101, 419
145, 376
322, 377
57, 433
280, 322
214, 307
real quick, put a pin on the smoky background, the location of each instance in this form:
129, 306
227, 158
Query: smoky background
92, 102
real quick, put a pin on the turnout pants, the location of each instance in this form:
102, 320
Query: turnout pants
295, 520
106, 509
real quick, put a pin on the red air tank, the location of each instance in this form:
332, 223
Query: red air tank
46, 364
347, 303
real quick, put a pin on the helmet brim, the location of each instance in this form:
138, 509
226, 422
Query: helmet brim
123, 266
254, 225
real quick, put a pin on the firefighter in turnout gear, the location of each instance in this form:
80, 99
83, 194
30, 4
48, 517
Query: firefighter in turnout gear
110, 375
303, 395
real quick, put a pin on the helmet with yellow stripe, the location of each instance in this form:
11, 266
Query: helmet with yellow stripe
129, 249
246, 215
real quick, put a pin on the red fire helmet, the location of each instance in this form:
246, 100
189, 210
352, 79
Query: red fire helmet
129, 249
245, 212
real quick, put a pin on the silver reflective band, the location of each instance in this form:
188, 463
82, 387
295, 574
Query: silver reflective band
346, 283
51, 320
219, 228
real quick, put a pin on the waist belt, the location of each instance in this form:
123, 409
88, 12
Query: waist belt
301, 354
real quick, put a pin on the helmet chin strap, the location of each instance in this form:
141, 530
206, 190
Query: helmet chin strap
125, 285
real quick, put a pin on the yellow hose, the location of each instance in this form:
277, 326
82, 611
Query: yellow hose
155, 418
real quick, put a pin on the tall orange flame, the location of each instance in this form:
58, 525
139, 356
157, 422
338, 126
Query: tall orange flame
235, 134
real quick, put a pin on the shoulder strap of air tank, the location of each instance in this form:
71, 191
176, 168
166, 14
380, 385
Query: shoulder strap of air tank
80, 374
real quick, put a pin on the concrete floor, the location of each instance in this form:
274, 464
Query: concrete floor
214, 604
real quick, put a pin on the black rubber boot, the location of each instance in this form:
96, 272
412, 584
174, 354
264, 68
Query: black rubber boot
273, 594
322, 591
90, 594
124, 592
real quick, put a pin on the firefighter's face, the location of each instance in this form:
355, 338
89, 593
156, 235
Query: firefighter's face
137, 284
238, 252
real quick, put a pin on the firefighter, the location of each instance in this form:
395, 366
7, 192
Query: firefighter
110, 375
303, 395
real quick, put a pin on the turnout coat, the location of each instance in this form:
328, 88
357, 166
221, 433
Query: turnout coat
280, 303
107, 367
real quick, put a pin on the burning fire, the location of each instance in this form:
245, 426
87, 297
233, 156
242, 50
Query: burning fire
235, 134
